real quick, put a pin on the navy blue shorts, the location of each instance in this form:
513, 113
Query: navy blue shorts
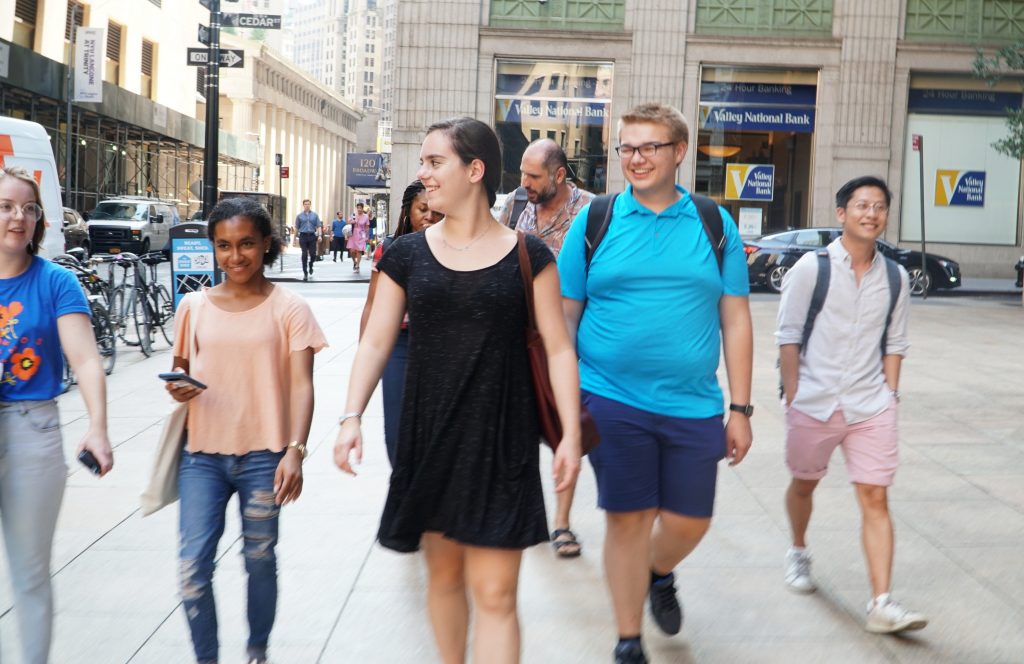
646, 460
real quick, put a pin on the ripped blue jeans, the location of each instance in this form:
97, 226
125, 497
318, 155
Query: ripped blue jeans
206, 483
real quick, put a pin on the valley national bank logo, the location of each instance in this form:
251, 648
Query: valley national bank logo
749, 182
965, 188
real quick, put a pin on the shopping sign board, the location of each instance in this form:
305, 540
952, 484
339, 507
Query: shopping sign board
749, 182
965, 188
366, 169
262, 21
233, 58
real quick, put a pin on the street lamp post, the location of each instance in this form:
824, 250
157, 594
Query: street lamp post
67, 114
211, 146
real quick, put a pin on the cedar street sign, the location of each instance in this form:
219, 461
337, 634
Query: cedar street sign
229, 57
263, 21
203, 35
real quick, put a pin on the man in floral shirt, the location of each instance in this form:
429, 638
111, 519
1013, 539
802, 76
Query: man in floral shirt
552, 201
552, 204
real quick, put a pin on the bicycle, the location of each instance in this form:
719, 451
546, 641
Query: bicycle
147, 302
102, 325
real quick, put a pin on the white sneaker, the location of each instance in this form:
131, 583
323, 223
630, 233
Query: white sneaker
886, 616
798, 571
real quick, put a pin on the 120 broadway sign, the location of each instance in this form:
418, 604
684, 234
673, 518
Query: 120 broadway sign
959, 188
749, 182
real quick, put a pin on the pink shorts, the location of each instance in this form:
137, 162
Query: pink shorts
870, 447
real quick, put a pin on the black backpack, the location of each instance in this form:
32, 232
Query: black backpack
892, 273
519, 204
600, 216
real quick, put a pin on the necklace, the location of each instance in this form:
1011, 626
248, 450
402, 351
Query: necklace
471, 242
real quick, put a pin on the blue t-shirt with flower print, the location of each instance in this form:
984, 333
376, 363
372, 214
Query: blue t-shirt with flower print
30, 305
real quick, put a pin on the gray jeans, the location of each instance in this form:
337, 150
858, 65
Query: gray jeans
32, 478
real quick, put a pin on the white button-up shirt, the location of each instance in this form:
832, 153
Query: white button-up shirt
842, 364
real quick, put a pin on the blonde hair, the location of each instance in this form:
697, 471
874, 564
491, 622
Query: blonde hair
662, 114
20, 173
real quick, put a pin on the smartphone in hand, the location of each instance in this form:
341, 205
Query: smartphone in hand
180, 376
86, 458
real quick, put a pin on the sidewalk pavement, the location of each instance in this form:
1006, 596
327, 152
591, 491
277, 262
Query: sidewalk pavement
326, 270
958, 505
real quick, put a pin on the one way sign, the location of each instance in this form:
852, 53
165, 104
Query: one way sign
229, 57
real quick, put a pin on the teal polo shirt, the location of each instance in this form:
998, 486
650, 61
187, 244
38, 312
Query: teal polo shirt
650, 335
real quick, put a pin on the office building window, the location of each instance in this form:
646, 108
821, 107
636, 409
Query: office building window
568, 102
112, 65
148, 66
25, 12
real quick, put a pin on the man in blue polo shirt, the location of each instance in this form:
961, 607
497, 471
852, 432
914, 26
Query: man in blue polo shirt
647, 318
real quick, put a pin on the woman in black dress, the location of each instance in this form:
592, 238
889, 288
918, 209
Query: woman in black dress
466, 482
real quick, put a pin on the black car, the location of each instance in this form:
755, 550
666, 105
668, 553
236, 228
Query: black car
770, 257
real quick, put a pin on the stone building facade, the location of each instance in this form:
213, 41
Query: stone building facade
787, 99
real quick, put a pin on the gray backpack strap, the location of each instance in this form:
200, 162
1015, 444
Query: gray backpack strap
518, 205
892, 272
817, 297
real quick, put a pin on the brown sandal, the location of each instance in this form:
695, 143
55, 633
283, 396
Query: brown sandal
568, 547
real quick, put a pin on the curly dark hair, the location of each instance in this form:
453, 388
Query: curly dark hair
404, 226
254, 212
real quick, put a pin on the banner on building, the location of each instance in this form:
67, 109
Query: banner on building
368, 170
756, 118
89, 54
965, 188
749, 182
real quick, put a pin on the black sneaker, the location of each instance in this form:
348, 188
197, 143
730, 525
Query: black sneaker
668, 615
630, 653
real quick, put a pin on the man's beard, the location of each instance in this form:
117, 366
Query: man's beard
546, 194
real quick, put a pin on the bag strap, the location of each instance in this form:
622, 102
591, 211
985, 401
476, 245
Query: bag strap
599, 216
519, 204
892, 272
817, 297
193, 322
526, 271
711, 218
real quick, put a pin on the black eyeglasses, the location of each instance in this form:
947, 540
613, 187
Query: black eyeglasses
646, 151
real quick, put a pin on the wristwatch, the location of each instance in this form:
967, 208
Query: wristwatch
744, 408
301, 447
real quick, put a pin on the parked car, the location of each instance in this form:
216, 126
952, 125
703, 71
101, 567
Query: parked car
76, 232
1020, 272
770, 257
131, 224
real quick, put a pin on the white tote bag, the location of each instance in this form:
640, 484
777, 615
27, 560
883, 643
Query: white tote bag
162, 489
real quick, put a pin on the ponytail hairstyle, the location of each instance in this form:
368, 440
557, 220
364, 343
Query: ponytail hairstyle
472, 140
404, 226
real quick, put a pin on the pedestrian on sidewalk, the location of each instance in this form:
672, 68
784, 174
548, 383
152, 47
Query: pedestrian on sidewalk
840, 386
338, 237
43, 312
545, 205
253, 348
414, 217
307, 225
648, 335
323, 241
466, 482
357, 240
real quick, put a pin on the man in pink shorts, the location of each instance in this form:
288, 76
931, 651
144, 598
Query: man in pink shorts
840, 352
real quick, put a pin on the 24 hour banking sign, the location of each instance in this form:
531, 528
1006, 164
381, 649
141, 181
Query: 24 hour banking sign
965, 188
749, 182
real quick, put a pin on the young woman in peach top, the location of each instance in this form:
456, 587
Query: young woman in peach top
253, 349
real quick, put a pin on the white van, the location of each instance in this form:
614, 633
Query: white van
131, 223
27, 144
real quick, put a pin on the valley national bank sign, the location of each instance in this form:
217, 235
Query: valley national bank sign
757, 107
